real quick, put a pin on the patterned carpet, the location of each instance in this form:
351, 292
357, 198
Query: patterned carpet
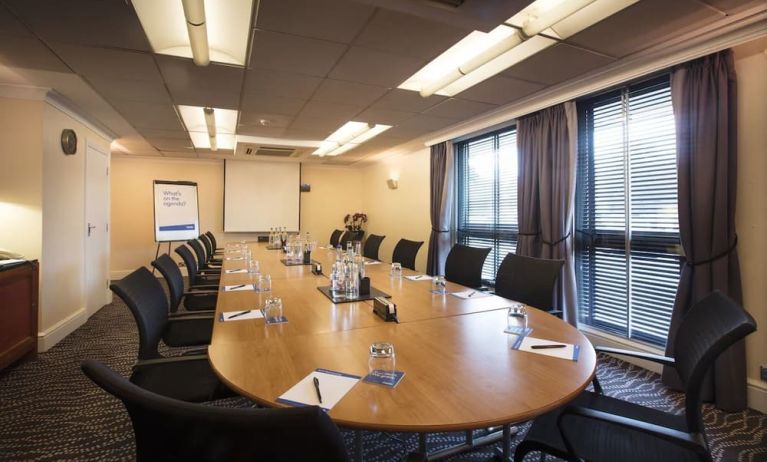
49, 411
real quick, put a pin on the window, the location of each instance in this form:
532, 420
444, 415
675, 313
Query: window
627, 247
487, 195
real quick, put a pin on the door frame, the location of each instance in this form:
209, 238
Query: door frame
90, 145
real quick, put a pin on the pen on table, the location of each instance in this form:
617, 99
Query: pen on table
546, 347
472, 293
238, 314
237, 287
317, 388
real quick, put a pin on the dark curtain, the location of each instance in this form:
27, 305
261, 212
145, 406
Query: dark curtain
703, 94
546, 193
440, 203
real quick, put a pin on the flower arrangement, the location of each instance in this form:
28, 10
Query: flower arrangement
356, 221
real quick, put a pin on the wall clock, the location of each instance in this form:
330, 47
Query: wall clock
68, 141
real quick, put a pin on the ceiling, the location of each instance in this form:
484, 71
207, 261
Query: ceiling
313, 65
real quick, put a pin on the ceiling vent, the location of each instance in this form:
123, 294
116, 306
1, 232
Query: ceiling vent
270, 151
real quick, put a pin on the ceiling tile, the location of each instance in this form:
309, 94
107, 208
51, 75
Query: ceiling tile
9, 25
102, 23
375, 67
170, 144
383, 116
29, 53
109, 64
557, 64
317, 128
290, 53
248, 118
621, 34
337, 91
729, 5
167, 134
409, 35
214, 85
335, 20
268, 104
258, 130
418, 126
459, 108
280, 83
405, 100
320, 109
500, 90
133, 90
148, 115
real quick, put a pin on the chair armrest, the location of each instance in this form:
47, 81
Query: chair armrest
212, 287
160, 361
216, 271
195, 292
691, 441
666, 361
206, 314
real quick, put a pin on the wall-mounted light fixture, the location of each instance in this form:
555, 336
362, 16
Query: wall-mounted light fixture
392, 183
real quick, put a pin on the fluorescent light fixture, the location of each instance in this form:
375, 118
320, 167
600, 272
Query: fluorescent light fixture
210, 128
481, 55
204, 30
349, 136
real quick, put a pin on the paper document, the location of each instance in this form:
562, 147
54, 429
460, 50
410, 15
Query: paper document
238, 316
239, 287
332, 387
234, 258
419, 277
233, 271
372, 262
470, 294
569, 351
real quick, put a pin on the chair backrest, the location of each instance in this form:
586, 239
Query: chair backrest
173, 277
528, 280
372, 244
191, 264
335, 237
405, 252
209, 249
170, 430
202, 259
143, 294
710, 326
212, 239
464, 265
351, 236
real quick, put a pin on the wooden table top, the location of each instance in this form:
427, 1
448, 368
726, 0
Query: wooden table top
460, 370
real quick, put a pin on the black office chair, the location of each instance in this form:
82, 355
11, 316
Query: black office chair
335, 237
204, 262
213, 241
464, 265
596, 427
194, 300
372, 244
529, 280
196, 277
174, 431
351, 236
188, 377
405, 252
210, 249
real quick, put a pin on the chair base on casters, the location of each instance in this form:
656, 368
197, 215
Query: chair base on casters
503, 436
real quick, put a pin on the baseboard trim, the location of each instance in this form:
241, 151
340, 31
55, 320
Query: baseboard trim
56, 333
756, 393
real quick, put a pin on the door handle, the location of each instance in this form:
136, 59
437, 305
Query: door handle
90, 227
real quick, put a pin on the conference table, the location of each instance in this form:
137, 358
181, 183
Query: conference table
461, 372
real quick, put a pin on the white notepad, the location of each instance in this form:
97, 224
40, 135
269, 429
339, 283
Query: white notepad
570, 351
333, 386
235, 258
470, 294
239, 287
372, 262
419, 277
236, 316
233, 271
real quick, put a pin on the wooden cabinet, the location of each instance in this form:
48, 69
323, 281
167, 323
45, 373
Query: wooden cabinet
18, 312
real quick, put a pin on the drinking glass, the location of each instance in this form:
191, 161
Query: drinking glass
438, 284
516, 320
264, 283
273, 308
381, 357
396, 270
254, 267
357, 247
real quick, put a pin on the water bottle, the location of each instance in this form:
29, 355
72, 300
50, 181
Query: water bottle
352, 280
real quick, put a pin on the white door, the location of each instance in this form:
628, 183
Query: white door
96, 229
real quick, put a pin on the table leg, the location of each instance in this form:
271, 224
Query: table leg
422, 443
358, 445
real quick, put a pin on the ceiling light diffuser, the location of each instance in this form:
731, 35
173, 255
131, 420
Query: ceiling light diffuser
349, 136
210, 128
192, 28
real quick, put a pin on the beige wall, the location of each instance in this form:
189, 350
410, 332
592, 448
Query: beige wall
335, 192
403, 212
62, 278
21, 180
751, 215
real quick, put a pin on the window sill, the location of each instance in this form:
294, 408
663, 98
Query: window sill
601, 338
